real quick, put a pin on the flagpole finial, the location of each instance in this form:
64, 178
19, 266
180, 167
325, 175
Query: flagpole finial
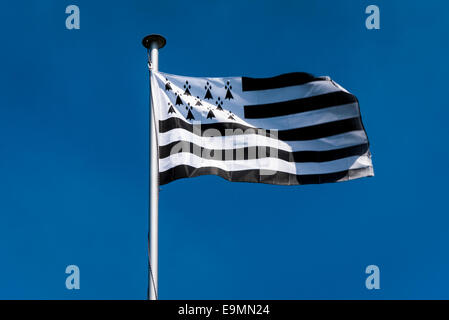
160, 40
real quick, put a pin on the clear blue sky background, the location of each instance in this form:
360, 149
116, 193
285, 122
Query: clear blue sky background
74, 153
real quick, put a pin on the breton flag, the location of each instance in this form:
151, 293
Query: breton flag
290, 129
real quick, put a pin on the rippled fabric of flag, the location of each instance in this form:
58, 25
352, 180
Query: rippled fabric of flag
288, 130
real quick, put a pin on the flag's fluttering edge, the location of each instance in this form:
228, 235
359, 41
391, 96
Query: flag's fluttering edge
291, 129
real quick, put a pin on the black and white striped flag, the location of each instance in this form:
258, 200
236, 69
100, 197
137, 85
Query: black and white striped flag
288, 130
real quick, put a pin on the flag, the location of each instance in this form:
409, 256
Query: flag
290, 129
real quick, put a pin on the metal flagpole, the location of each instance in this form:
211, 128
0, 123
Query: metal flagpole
153, 43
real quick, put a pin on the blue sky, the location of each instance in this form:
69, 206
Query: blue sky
74, 153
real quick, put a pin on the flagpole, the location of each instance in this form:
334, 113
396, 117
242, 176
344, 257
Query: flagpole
153, 43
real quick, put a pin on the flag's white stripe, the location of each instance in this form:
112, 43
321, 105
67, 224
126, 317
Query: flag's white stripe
274, 164
346, 139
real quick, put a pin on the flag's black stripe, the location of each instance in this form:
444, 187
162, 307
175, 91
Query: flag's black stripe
283, 80
250, 153
285, 108
229, 128
279, 178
